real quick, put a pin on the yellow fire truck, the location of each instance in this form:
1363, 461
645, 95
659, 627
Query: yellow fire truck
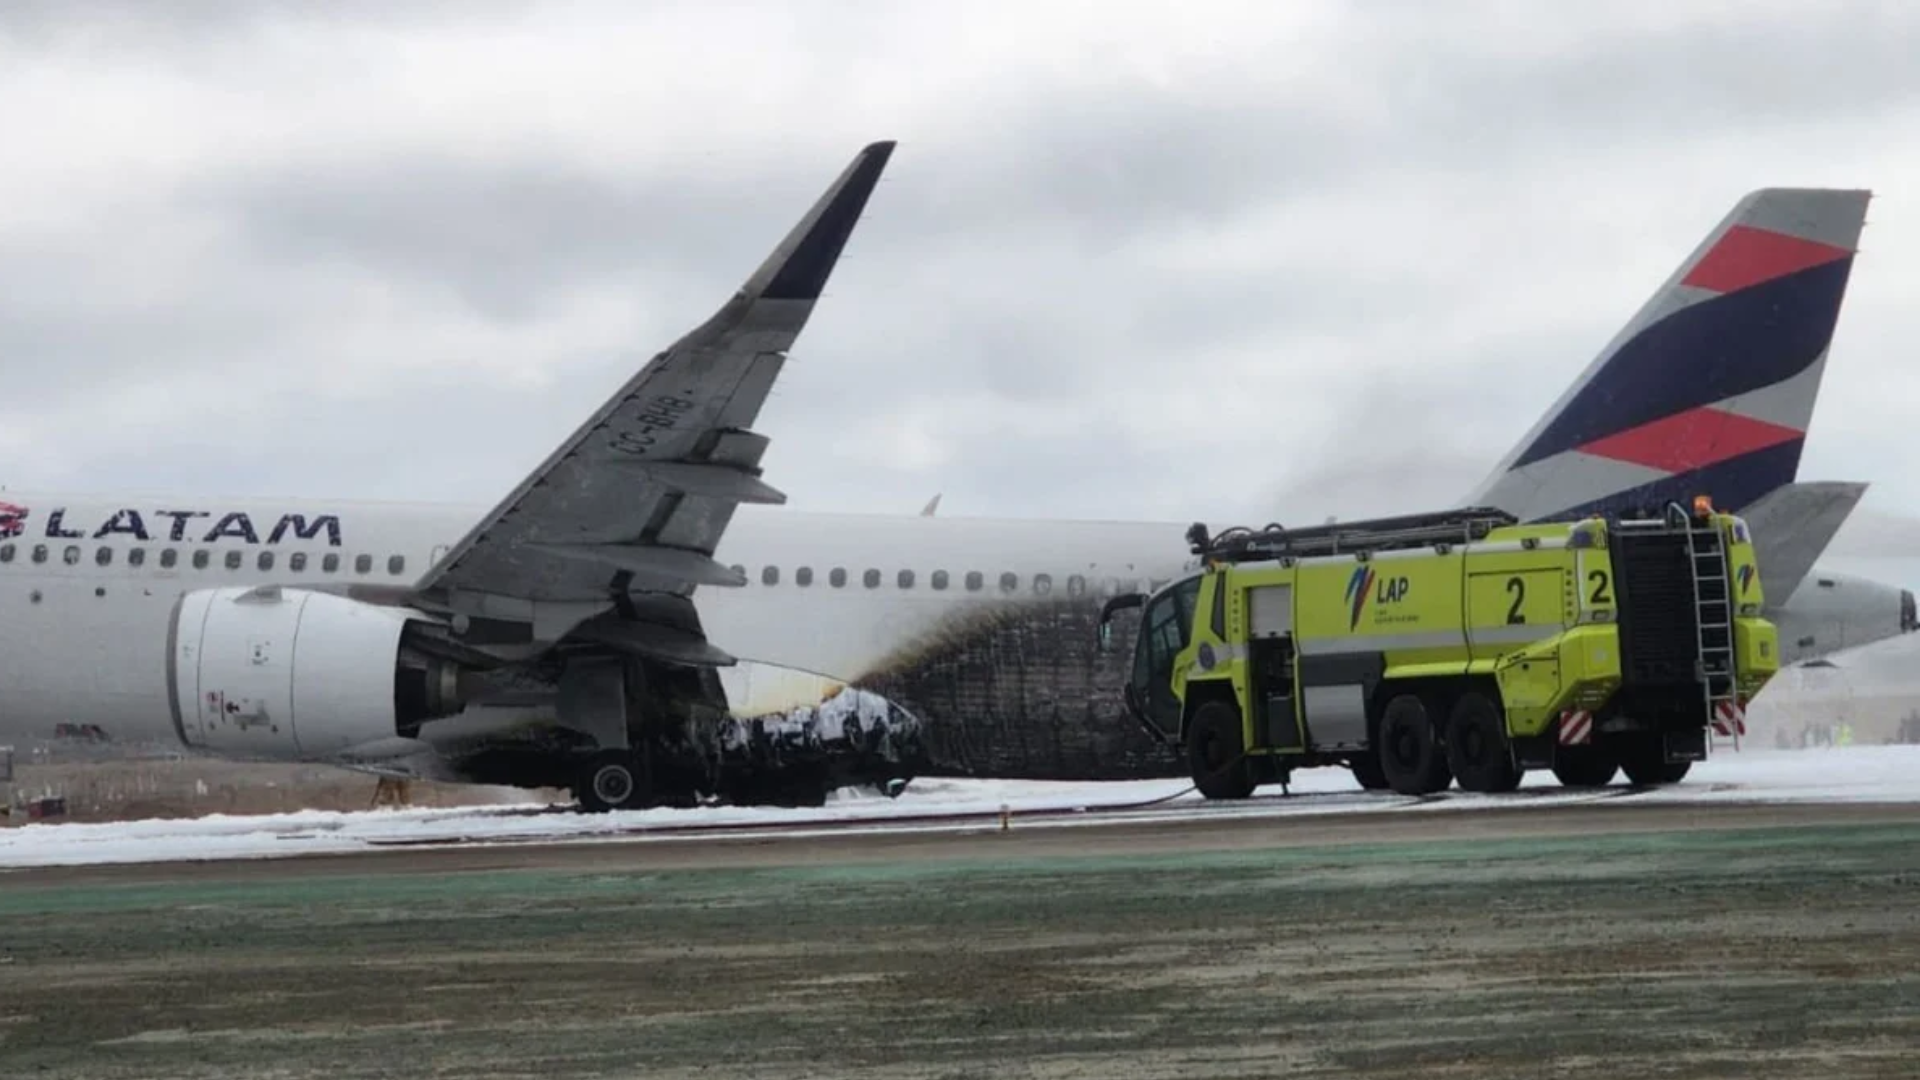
1461, 646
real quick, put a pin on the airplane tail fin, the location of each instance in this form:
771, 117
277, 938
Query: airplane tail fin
1710, 387
1791, 526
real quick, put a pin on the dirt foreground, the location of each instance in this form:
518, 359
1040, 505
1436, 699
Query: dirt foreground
1600, 942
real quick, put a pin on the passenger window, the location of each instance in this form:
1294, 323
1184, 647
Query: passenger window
939, 579
803, 577
200, 559
1042, 584
838, 577
396, 564
39, 553
168, 557
297, 561
905, 580
330, 563
1009, 582
975, 580
137, 557
103, 556
6, 552
1076, 586
71, 555
362, 564
770, 575
265, 562
871, 579
234, 559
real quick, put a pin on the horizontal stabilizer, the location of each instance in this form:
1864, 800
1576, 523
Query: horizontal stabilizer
1792, 526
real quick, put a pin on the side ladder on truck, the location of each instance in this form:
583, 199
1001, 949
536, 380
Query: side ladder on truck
1713, 604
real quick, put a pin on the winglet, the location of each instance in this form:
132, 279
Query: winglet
798, 269
932, 507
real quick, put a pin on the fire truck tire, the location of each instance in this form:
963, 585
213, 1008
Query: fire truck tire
1646, 764
1366, 769
1477, 748
1584, 766
1410, 754
1215, 753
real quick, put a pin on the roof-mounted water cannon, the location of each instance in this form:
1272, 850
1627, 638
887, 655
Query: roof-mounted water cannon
1198, 538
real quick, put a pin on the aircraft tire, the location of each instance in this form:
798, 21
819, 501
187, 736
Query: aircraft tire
610, 780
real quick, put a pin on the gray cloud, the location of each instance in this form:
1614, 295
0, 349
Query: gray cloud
1329, 261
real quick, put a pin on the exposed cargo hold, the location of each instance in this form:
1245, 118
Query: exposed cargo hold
1461, 645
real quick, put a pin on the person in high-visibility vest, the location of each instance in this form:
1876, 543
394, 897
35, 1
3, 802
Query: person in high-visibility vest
1844, 737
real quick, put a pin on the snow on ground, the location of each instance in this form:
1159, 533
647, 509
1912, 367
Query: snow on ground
1853, 774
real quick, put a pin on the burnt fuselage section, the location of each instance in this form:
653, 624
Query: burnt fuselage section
1022, 690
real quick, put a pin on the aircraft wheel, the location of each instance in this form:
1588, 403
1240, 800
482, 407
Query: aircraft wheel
1477, 747
1214, 753
1410, 753
610, 781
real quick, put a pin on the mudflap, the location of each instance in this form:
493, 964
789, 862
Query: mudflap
1687, 745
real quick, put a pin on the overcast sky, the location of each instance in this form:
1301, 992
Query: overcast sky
1162, 261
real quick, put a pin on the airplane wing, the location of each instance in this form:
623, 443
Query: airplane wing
635, 501
1791, 526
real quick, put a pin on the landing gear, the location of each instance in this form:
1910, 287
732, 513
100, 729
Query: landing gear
1477, 747
1410, 754
611, 780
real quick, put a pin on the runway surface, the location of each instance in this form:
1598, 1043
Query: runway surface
1885, 774
1622, 938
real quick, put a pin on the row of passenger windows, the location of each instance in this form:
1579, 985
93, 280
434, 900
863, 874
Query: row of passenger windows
202, 558
940, 580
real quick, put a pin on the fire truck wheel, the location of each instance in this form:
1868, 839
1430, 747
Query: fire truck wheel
1477, 747
1645, 761
1410, 753
1220, 770
1584, 766
1366, 769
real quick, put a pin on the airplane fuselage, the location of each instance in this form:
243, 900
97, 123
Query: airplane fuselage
982, 627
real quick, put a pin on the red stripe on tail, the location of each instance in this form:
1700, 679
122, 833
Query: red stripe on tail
1691, 440
1748, 256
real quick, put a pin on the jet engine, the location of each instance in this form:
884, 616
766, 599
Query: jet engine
295, 674
1829, 612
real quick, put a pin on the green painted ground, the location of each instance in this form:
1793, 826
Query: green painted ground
1791, 953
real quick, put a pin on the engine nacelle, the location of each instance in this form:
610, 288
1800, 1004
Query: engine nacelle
290, 673
1830, 612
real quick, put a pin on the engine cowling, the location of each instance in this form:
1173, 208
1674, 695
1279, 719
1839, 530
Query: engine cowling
291, 673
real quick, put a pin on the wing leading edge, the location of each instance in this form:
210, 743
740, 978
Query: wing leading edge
635, 501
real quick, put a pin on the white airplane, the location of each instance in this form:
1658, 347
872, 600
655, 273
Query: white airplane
614, 626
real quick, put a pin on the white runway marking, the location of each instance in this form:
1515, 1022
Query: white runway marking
1878, 774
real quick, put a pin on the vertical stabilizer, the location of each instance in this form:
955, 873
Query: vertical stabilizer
1710, 387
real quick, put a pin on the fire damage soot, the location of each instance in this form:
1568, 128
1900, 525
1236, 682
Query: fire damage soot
1023, 691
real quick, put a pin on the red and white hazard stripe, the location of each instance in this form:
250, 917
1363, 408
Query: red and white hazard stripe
1576, 727
1729, 718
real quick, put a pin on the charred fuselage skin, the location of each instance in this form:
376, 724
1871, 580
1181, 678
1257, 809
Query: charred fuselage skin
1023, 691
